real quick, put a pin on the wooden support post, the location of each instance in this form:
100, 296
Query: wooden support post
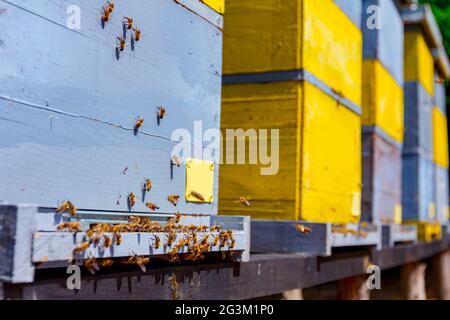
440, 275
354, 288
413, 281
295, 294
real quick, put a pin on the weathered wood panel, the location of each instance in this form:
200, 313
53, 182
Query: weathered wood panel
68, 105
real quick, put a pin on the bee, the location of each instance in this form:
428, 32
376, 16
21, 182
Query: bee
156, 242
178, 218
171, 237
118, 239
122, 44
176, 161
197, 195
70, 226
151, 206
148, 185
233, 244
173, 199
107, 10
216, 240
107, 242
215, 228
137, 34
106, 263
131, 199
68, 207
92, 265
128, 22
173, 255
303, 229
81, 248
244, 201
174, 287
139, 122
201, 229
141, 262
161, 111
204, 243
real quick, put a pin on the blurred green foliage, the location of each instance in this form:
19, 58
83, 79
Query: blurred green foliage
441, 10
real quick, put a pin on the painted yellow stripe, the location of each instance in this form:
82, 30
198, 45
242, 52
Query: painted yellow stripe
419, 63
383, 104
440, 138
319, 176
217, 5
274, 35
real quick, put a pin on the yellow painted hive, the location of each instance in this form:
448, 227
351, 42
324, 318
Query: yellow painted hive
319, 172
271, 35
382, 100
419, 63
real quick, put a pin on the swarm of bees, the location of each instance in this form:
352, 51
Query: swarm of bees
186, 242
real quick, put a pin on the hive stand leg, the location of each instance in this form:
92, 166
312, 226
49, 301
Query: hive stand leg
440, 275
295, 294
413, 281
354, 288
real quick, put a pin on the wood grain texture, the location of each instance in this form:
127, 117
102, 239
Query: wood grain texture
67, 128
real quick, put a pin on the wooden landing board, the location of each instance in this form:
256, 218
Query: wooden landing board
286, 237
26, 244
394, 234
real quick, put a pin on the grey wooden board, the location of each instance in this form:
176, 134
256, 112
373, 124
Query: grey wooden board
386, 43
263, 275
381, 173
418, 122
283, 237
393, 234
68, 106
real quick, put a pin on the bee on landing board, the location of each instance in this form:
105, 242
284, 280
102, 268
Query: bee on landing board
106, 11
139, 123
198, 195
148, 185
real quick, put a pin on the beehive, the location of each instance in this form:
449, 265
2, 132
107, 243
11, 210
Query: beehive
383, 111
69, 102
264, 36
319, 175
442, 193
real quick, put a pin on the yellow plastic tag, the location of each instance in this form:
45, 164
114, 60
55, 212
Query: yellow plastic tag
398, 214
356, 204
199, 181
432, 210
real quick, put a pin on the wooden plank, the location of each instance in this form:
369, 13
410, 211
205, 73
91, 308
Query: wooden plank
295, 294
64, 123
354, 288
413, 281
285, 237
